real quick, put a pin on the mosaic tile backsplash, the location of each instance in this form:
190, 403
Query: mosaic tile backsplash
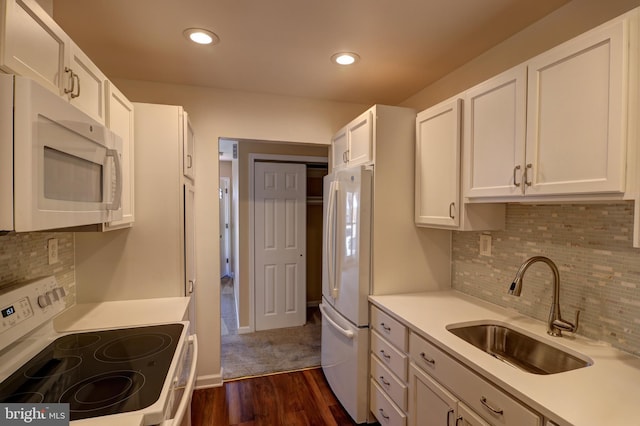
592, 247
24, 256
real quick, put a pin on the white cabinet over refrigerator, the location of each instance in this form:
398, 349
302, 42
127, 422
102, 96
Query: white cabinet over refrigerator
372, 246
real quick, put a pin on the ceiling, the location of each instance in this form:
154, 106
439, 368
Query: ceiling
284, 46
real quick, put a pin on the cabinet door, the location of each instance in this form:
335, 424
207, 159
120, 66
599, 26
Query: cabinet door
87, 84
468, 418
576, 114
494, 135
119, 118
32, 44
189, 149
437, 197
360, 137
430, 404
339, 147
190, 251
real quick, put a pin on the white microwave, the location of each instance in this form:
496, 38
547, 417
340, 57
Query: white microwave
59, 168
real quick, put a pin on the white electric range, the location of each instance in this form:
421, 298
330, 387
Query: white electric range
129, 375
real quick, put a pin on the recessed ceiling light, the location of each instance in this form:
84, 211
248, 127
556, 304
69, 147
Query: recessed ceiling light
201, 36
345, 58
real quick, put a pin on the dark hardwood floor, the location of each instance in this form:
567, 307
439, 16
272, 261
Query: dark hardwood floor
287, 399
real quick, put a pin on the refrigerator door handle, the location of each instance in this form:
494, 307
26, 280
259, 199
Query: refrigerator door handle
330, 238
346, 333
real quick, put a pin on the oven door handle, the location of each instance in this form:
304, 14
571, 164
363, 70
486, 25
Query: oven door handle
186, 396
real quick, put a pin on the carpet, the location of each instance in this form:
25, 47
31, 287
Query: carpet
268, 351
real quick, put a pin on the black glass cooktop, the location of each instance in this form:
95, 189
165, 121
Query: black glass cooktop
97, 373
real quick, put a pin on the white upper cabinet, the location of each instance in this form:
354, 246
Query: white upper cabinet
188, 149
339, 149
353, 144
576, 115
438, 164
494, 135
33, 45
360, 137
555, 126
120, 119
438, 200
87, 89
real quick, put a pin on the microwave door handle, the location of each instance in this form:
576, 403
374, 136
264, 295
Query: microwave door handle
117, 199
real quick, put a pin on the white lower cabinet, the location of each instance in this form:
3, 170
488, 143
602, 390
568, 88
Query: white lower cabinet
483, 402
389, 369
430, 403
386, 412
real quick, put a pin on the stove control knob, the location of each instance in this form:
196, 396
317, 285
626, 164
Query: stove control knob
61, 291
44, 300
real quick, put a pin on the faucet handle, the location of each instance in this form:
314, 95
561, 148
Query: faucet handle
566, 325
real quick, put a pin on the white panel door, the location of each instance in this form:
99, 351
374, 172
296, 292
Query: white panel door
225, 250
280, 239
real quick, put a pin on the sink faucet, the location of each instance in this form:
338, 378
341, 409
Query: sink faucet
556, 324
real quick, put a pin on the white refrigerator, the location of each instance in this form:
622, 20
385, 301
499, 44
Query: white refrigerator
346, 283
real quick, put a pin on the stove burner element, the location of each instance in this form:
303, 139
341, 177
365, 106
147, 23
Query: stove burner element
54, 366
98, 373
102, 391
130, 348
76, 341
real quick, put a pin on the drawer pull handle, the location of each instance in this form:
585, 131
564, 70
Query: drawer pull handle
458, 420
427, 359
384, 355
484, 402
383, 414
385, 327
384, 382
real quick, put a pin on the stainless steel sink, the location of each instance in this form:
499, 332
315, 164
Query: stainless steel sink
518, 349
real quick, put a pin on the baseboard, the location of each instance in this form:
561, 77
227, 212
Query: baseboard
209, 381
244, 330
313, 303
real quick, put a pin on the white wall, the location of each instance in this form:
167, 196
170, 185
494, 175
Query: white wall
216, 114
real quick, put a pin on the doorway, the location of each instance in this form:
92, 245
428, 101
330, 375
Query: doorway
246, 351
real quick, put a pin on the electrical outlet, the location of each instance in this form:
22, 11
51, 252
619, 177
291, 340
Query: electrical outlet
485, 245
52, 246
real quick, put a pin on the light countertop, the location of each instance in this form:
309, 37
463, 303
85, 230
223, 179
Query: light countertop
122, 313
605, 393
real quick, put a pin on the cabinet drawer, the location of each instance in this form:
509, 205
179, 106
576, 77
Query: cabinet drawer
387, 413
391, 357
491, 403
390, 328
394, 387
